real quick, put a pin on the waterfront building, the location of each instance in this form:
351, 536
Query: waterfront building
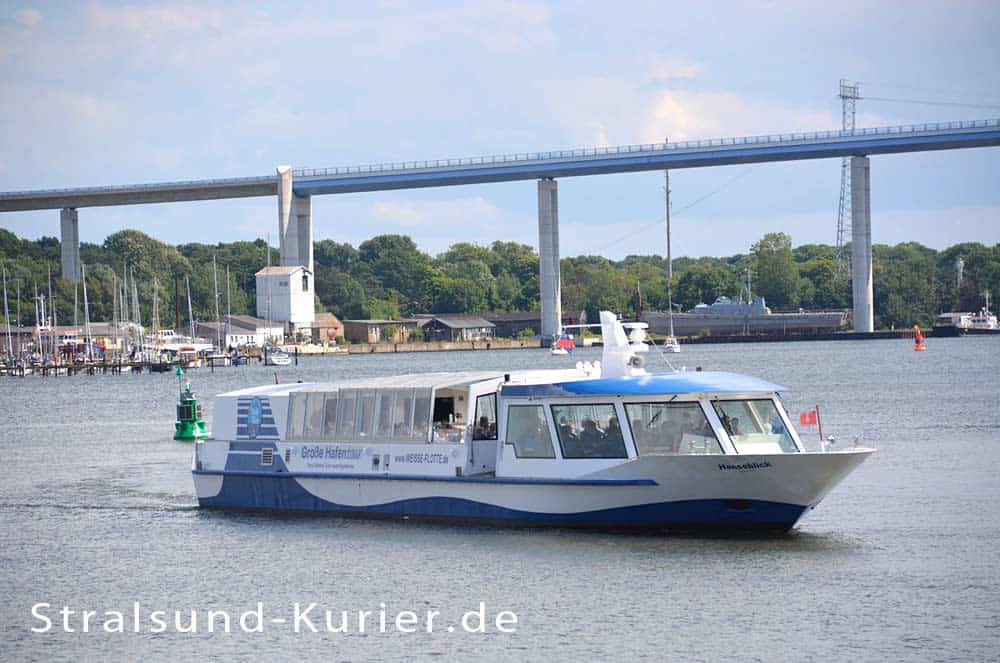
373, 331
285, 293
457, 328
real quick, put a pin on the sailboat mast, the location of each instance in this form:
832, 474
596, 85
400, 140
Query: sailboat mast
670, 257
86, 312
229, 304
268, 287
53, 320
125, 315
6, 316
187, 282
114, 308
218, 320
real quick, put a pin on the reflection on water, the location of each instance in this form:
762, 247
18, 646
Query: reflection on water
97, 509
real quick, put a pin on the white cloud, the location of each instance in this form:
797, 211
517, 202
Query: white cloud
459, 212
155, 22
677, 69
29, 17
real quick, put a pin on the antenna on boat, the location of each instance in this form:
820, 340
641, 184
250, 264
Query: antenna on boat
622, 354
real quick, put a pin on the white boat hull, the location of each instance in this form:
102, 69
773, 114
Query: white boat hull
652, 493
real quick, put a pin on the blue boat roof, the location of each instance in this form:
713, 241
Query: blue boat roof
716, 382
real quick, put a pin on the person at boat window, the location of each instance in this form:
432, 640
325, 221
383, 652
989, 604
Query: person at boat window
734, 426
566, 430
614, 429
696, 424
613, 444
482, 431
591, 438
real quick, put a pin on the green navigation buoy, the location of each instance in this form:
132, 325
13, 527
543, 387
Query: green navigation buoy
190, 426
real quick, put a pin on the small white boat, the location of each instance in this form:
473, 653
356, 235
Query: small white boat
604, 445
671, 344
274, 356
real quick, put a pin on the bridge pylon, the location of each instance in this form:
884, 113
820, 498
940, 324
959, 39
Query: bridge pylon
548, 258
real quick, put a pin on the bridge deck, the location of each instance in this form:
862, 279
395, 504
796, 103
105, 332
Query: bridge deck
528, 166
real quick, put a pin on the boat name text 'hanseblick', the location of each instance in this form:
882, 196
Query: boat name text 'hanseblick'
745, 466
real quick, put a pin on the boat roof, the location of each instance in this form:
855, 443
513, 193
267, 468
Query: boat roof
565, 382
411, 381
682, 382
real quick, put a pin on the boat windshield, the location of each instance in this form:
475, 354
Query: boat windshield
755, 426
671, 428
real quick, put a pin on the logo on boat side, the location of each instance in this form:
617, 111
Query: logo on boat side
745, 466
255, 419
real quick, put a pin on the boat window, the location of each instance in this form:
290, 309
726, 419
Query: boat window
345, 419
366, 412
383, 413
296, 415
486, 418
671, 428
330, 422
421, 414
755, 426
402, 414
528, 431
589, 431
313, 429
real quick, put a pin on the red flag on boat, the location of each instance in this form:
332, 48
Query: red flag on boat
808, 418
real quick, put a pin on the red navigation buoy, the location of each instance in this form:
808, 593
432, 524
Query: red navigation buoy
918, 340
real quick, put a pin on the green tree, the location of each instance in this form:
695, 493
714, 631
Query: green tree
702, 283
776, 274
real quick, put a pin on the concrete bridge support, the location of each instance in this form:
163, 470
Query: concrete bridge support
302, 213
69, 221
548, 258
295, 238
861, 245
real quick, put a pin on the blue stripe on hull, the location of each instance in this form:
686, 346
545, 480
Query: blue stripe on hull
260, 493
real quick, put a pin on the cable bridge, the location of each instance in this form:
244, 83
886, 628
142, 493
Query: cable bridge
294, 188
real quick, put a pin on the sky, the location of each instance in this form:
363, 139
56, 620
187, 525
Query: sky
105, 93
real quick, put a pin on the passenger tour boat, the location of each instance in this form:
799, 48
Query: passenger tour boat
603, 446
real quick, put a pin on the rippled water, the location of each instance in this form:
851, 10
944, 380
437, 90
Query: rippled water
899, 562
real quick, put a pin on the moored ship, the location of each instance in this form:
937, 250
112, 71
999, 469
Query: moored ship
726, 316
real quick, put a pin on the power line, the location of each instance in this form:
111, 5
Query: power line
929, 102
708, 195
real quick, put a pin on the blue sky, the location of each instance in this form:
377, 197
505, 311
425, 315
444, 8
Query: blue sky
97, 93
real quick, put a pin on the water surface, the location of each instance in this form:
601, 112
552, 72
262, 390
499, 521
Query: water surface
899, 562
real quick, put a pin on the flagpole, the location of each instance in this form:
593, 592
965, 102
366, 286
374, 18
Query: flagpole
819, 423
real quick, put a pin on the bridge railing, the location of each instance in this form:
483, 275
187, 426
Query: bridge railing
269, 179
597, 152
537, 157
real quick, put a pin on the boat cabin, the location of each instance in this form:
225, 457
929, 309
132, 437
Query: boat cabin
533, 424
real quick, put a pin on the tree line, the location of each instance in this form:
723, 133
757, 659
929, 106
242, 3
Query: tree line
389, 277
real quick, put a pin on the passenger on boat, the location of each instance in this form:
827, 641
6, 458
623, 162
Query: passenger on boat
566, 431
596, 443
482, 430
614, 429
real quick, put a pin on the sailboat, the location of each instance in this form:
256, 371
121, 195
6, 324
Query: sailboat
670, 344
563, 345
